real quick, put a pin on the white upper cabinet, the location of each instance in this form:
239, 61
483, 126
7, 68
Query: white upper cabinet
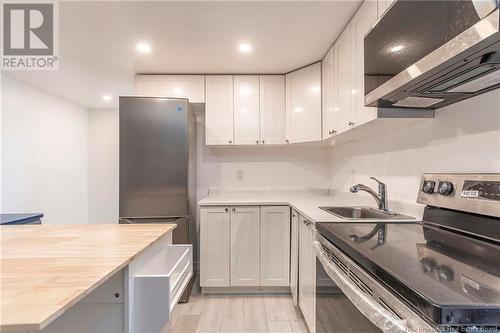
328, 93
272, 109
275, 246
361, 24
191, 87
307, 273
246, 109
219, 109
303, 104
344, 117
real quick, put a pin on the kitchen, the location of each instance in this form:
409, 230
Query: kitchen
215, 167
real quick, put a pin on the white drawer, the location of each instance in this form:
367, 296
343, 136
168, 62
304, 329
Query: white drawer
158, 285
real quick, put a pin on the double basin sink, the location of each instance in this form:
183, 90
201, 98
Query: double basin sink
365, 213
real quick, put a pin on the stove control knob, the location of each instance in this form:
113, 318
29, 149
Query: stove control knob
428, 264
445, 273
428, 186
445, 188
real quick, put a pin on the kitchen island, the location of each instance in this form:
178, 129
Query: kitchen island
99, 278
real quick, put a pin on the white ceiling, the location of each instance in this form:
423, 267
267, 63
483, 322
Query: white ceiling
97, 42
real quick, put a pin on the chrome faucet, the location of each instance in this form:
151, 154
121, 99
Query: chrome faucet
380, 197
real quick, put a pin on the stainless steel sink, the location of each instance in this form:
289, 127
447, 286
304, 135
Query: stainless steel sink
365, 213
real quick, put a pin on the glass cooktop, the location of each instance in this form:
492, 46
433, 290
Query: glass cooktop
447, 276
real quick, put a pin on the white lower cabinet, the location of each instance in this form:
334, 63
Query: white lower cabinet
294, 257
214, 247
307, 273
245, 239
245, 246
274, 246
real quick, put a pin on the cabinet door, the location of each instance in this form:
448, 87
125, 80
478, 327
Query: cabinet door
362, 22
214, 247
272, 109
219, 109
311, 287
246, 109
191, 87
304, 267
274, 245
344, 113
307, 274
328, 93
294, 257
303, 104
245, 249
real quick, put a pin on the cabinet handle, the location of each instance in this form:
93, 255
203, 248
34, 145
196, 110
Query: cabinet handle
257, 141
230, 141
233, 209
350, 123
287, 141
263, 141
334, 131
226, 210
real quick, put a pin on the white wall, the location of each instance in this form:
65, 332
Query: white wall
464, 137
44, 154
283, 167
103, 164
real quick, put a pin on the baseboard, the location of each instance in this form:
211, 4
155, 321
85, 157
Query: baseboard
245, 290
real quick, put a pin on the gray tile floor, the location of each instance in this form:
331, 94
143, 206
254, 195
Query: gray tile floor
237, 313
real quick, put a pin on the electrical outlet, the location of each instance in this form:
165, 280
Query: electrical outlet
239, 175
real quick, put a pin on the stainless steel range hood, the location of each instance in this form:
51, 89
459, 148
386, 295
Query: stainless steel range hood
428, 54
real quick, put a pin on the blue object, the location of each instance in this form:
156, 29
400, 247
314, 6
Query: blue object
13, 219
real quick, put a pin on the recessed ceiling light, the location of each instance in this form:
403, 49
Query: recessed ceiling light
245, 47
107, 98
396, 48
143, 47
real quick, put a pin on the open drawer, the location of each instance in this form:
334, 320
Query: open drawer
158, 285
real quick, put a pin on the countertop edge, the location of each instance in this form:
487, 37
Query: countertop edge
37, 326
206, 202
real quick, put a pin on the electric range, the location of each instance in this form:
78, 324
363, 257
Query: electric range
444, 270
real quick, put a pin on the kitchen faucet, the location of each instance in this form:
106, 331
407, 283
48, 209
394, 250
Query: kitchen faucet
380, 197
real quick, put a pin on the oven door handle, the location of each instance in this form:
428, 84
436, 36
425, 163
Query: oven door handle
383, 319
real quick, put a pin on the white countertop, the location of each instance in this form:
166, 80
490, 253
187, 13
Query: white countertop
306, 202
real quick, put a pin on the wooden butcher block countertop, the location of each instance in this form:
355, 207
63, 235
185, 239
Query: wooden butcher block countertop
46, 269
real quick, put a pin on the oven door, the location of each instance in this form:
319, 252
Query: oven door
334, 311
348, 299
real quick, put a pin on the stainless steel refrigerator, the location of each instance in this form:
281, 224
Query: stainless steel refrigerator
158, 166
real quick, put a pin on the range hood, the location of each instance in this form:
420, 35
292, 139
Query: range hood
429, 54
